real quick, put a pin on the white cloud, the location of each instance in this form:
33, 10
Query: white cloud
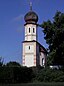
18, 18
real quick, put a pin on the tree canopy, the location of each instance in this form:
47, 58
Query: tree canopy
13, 64
53, 34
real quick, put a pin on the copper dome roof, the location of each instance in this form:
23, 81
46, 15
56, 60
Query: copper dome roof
31, 17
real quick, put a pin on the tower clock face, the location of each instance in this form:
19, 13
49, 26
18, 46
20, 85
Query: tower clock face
29, 48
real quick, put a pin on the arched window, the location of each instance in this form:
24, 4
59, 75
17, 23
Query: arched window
29, 30
33, 30
29, 47
42, 61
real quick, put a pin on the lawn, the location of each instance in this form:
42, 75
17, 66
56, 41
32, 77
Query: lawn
35, 84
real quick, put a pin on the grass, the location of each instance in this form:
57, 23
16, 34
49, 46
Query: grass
35, 84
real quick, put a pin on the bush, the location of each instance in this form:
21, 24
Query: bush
50, 75
15, 74
18, 74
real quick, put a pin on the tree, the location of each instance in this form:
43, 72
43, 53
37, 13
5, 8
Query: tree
13, 64
13, 72
50, 75
53, 34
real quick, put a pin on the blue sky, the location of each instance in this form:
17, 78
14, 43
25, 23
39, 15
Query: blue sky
12, 24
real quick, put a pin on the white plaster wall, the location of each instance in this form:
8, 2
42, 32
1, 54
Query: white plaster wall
29, 54
27, 50
34, 37
23, 55
29, 60
25, 38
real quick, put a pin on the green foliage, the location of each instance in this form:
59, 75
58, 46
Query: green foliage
18, 74
12, 72
36, 84
13, 64
53, 34
50, 58
50, 75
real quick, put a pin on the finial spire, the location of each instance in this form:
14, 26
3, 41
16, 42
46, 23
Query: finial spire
30, 6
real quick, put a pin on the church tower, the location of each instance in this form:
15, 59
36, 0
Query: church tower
34, 54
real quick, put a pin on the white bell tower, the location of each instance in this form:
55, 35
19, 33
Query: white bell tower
31, 48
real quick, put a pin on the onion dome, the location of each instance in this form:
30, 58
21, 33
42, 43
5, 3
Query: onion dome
31, 16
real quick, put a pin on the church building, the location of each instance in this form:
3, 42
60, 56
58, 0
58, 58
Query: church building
33, 54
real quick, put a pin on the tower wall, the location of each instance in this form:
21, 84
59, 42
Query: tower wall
30, 32
29, 54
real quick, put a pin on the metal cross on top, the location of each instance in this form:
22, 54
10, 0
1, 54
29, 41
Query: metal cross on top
30, 6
